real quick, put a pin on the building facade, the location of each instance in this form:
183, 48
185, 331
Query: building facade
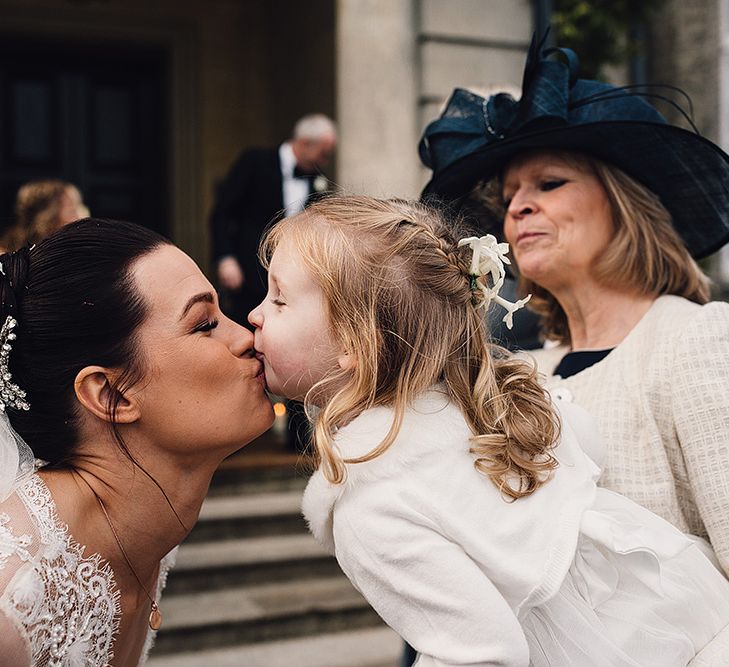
147, 104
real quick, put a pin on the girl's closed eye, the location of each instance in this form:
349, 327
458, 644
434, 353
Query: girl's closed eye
278, 301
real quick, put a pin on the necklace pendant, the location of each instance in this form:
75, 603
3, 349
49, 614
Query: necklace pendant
155, 617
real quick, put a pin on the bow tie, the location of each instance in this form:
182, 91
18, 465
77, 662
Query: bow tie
300, 173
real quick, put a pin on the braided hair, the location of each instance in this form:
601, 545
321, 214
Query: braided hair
401, 301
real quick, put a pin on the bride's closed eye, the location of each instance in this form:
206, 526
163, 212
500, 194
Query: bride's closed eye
207, 325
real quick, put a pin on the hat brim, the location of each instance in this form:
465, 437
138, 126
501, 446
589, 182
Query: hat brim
688, 173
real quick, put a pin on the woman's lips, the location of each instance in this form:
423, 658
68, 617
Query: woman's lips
527, 236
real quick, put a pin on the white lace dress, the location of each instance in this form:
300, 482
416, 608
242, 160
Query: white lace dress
58, 608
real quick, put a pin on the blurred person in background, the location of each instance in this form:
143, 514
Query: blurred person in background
42, 207
263, 184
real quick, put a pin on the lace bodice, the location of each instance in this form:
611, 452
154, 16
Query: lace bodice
58, 607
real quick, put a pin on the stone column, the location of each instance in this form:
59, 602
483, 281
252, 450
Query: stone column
377, 97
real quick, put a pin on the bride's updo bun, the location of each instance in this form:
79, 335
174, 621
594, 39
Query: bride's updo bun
13, 278
76, 305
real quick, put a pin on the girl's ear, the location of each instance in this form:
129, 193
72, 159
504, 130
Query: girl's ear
93, 387
347, 361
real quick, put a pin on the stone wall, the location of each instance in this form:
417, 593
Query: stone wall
684, 51
398, 61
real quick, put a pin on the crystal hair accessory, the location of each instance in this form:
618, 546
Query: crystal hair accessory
11, 395
17, 462
488, 259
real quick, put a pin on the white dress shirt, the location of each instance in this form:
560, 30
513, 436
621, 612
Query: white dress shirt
295, 190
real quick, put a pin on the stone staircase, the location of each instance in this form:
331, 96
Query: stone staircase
251, 587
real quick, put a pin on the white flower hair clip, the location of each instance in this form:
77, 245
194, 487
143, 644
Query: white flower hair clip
489, 257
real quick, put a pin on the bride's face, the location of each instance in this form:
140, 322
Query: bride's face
203, 388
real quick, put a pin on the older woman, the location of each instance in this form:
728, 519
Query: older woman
120, 372
604, 206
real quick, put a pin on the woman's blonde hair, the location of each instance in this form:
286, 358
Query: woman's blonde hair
400, 303
37, 212
646, 255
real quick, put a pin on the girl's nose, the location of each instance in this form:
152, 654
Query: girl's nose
255, 317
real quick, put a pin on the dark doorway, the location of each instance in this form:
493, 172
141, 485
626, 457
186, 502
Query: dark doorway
94, 115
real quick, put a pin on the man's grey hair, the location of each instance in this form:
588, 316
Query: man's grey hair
314, 126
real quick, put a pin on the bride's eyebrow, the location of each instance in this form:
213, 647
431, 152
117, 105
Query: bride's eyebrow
203, 297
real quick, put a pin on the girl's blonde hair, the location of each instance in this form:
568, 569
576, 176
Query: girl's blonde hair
400, 303
646, 255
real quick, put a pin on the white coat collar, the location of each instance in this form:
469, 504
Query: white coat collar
430, 422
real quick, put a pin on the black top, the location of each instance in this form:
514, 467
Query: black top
574, 362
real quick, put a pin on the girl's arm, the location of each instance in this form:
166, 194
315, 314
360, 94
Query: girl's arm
426, 588
700, 403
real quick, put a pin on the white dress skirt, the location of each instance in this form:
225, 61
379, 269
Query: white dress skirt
623, 603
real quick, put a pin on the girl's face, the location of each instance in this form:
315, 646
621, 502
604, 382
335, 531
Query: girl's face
293, 336
203, 388
558, 219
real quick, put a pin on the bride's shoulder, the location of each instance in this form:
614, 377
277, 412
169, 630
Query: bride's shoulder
36, 552
26, 527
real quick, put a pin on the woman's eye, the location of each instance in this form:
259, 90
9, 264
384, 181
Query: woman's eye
208, 325
278, 302
552, 185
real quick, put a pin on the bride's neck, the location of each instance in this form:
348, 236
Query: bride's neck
150, 506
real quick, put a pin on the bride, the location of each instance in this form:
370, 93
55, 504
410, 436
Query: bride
125, 380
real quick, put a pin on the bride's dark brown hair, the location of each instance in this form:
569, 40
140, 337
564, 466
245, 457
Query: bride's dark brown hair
77, 305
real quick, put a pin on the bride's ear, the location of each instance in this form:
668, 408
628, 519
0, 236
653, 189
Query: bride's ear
94, 386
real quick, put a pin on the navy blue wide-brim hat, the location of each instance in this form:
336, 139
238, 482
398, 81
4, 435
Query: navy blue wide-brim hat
474, 139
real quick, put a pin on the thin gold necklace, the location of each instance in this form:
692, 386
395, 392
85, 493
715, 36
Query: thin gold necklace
155, 615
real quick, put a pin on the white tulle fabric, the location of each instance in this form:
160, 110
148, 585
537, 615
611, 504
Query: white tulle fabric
625, 604
16, 458
58, 608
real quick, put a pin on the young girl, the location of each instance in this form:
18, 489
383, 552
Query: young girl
454, 494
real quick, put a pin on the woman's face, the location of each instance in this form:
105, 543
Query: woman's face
203, 387
558, 219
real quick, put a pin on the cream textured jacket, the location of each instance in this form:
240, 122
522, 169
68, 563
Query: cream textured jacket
661, 400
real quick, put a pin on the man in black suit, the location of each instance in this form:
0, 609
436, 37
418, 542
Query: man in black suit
265, 184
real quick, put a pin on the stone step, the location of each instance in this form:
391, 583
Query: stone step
249, 515
216, 565
249, 471
249, 614
372, 647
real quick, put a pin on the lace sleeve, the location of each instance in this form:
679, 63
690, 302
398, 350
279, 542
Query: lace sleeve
18, 540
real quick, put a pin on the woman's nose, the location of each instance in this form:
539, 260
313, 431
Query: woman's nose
241, 339
521, 204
